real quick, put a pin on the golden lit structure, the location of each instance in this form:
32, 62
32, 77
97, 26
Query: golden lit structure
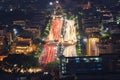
2, 57
92, 49
23, 46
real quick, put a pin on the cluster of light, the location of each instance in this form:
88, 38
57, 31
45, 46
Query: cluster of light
45, 73
51, 3
15, 31
30, 70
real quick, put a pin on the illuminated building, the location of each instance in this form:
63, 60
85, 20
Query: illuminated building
22, 46
105, 48
107, 16
90, 21
87, 5
92, 49
76, 65
9, 37
91, 67
1, 40
2, 57
2, 47
35, 31
91, 29
19, 22
110, 46
2, 32
2, 44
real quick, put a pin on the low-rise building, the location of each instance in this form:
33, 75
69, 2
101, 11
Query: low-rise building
35, 32
105, 48
22, 46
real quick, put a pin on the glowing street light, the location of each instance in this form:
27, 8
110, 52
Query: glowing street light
57, 1
51, 3
15, 31
85, 40
11, 9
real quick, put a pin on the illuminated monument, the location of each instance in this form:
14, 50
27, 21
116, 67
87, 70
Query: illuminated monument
61, 39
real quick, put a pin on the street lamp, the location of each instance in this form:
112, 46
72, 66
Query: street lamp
85, 40
51, 3
57, 1
15, 31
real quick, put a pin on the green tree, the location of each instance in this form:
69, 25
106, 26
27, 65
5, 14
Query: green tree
52, 66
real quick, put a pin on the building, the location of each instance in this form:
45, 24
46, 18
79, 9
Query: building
2, 57
90, 20
22, 46
90, 67
85, 64
105, 48
19, 22
2, 40
92, 46
35, 31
